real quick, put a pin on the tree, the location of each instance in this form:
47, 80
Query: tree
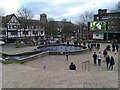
87, 16
68, 29
118, 6
2, 12
24, 13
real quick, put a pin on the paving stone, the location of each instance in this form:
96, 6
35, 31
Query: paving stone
55, 75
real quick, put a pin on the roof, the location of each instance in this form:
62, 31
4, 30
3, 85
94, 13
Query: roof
111, 13
5, 19
24, 22
29, 22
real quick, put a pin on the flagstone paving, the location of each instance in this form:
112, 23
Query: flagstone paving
56, 74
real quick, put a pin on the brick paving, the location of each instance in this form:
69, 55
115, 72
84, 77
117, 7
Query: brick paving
56, 74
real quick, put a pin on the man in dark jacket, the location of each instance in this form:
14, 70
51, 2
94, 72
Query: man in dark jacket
112, 62
98, 46
95, 57
72, 66
113, 47
117, 47
105, 53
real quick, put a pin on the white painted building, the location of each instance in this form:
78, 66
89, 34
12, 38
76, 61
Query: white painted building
14, 28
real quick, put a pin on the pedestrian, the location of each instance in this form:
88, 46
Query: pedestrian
89, 46
72, 66
107, 61
99, 58
95, 45
84, 43
67, 54
67, 42
112, 62
98, 46
95, 57
117, 47
113, 47
105, 53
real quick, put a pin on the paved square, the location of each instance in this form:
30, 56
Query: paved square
56, 74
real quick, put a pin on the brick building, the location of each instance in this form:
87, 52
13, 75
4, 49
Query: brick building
113, 24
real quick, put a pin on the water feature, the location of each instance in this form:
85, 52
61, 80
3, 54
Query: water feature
61, 48
47, 48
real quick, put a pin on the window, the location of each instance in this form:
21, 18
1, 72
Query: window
14, 33
19, 27
41, 32
14, 26
9, 27
25, 32
34, 27
3, 33
35, 32
97, 18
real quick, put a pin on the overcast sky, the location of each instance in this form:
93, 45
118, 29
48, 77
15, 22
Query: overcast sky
58, 9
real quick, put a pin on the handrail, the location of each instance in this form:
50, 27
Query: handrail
85, 64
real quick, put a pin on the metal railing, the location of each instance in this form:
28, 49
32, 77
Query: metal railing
86, 66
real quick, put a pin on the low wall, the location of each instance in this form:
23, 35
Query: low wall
32, 57
39, 55
63, 53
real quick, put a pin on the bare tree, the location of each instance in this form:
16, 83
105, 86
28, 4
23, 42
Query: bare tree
87, 16
24, 13
118, 6
2, 12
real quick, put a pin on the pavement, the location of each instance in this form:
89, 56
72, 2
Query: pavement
56, 74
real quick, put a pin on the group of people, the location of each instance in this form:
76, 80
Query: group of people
97, 57
93, 45
109, 60
115, 47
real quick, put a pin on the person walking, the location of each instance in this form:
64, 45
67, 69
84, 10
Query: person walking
117, 47
107, 61
72, 66
98, 46
105, 53
112, 62
67, 54
99, 58
113, 47
95, 57
89, 46
95, 45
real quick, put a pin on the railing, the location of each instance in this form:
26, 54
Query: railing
86, 66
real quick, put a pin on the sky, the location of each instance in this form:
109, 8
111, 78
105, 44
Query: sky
58, 9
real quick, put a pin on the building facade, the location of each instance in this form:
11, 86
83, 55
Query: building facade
113, 27
14, 28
